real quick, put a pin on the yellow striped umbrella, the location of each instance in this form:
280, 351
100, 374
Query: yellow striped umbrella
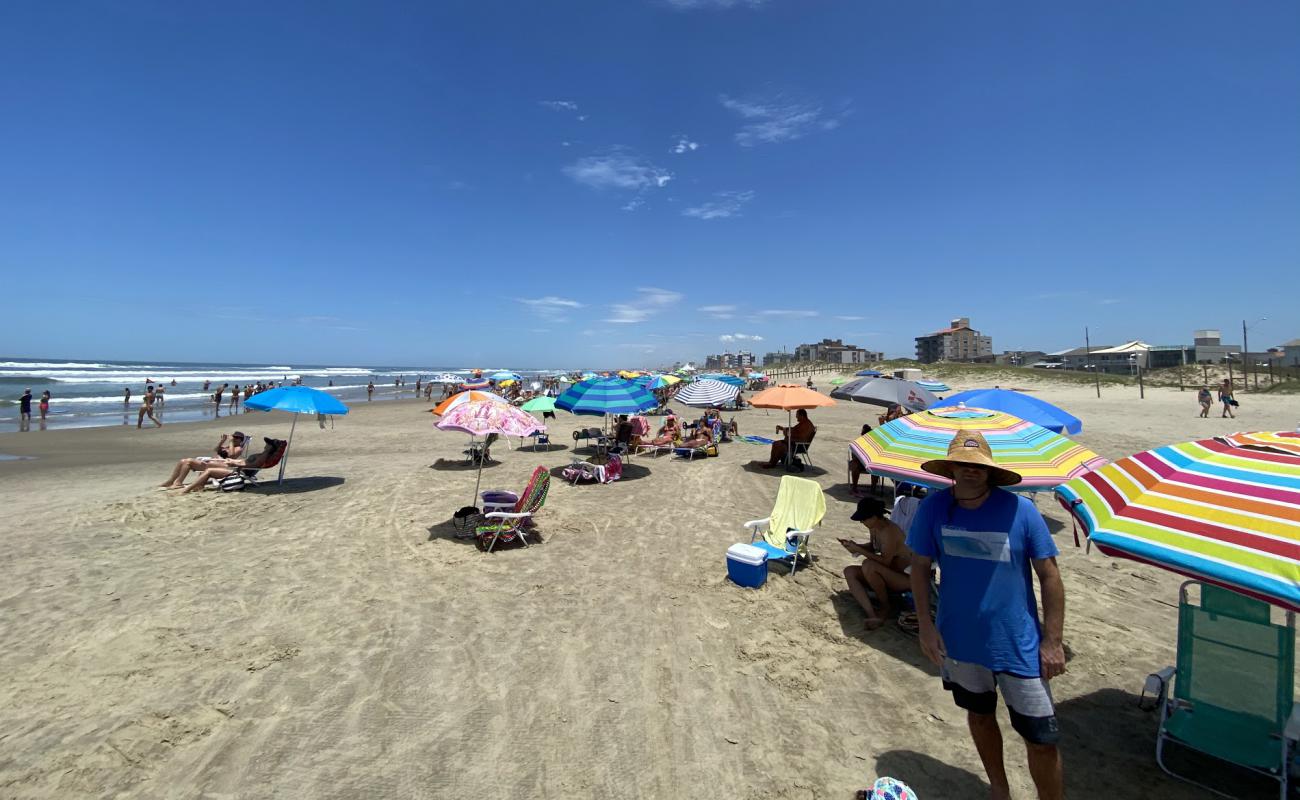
1043, 459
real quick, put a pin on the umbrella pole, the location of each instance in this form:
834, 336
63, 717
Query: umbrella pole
284, 460
789, 439
477, 481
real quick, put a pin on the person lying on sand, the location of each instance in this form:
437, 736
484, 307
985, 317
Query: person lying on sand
231, 446
881, 572
225, 467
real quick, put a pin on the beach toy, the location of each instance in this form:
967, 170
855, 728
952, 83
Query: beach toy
890, 789
747, 565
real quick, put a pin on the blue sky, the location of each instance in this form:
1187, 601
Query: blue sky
627, 183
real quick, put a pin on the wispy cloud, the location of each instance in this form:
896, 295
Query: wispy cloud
551, 308
559, 105
769, 120
620, 169
634, 204
685, 145
648, 302
792, 313
327, 323
849, 317
719, 312
725, 206
740, 337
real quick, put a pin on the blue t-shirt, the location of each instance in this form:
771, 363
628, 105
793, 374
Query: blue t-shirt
987, 612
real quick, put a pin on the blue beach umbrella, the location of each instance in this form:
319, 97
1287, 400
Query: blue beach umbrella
706, 393
505, 375
868, 373
1017, 404
601, 396
296, 400
934, 386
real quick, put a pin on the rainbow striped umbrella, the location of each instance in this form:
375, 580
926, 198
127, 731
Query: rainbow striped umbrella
1044, 459
1225, 514
601, 396
1286, 441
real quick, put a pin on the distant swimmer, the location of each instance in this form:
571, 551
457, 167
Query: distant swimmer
25, 406
126, 396
370, 391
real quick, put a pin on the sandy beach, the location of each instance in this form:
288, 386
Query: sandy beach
329, 638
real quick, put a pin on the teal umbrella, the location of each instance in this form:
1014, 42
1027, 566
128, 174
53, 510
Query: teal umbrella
539, 404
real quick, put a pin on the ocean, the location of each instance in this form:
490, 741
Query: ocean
90, 393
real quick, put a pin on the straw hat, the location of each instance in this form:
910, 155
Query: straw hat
969, 447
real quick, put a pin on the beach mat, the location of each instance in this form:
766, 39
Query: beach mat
754, 439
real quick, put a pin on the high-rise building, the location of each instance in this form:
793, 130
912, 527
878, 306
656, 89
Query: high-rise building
957, 342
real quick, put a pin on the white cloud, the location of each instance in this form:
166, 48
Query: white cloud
582, 118
793, 313
634, 204
719, 312
559, 105
649, 301
685, 145
727, 204
849, 317
776, 119
740, 337
618, 170
551, 308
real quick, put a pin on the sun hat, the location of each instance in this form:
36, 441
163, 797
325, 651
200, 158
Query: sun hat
869, 507
970, 447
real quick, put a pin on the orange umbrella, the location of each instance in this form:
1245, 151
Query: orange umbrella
464, 397
788, 396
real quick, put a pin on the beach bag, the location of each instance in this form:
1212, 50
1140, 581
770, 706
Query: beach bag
236, 482
796, 464
466, 521
1234, 402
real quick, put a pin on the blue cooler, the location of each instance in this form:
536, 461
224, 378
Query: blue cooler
747, 565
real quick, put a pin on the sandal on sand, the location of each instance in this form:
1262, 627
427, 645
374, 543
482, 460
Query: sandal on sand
909, 623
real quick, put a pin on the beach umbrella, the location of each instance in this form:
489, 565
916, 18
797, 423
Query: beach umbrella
505, 375
468, 385
507, 382
935, 386
539, 404
757, 376
600, 396
706, 394
1043, 458
1017, 404
837, 381
482, 417
466, 397
588, 375
886, 392
789, 397
1284, 442
868, 373
1225, 514
296, 400
729, 379
663, 382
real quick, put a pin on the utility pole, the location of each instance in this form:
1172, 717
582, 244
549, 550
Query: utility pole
1245, 358
1087, 344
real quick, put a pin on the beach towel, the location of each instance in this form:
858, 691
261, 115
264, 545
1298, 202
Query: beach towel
755, 440
904, 511
800, 505
640, 426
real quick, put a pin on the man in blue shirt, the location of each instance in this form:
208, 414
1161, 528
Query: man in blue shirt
986, 541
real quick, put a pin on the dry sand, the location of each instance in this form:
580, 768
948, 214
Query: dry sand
329, 638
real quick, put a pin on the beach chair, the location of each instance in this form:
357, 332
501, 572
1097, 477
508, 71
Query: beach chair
1232, 696
608, 472
800, 506
246, 477
801, 449
703, 451
541, 438
507, 526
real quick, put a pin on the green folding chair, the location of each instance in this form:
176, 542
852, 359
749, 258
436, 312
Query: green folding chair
1232, 692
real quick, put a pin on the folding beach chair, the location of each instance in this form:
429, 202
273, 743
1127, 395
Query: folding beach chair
246, 477
800, 506
1233, 696
506, 526
801, 449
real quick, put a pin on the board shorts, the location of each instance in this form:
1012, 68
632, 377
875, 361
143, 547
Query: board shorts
1029, 700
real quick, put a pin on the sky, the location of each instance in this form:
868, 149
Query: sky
631, 183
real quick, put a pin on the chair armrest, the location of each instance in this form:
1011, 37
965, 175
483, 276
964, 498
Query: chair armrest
1155, 691
507, 515
1292, 729
758, 523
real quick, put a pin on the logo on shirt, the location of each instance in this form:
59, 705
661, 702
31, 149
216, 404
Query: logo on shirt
984, 545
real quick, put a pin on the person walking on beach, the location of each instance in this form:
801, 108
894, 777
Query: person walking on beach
45, 404
146, 408
1225, 397
370, 391
206, 384
1206, 400
234, 399
25, 406
988, 638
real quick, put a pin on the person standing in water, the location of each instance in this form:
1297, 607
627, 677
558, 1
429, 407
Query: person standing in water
370, 391
45, 404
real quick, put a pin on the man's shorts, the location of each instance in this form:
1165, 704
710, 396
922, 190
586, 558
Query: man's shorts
1029, 700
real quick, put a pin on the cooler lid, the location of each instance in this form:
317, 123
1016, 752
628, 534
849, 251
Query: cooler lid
747, 554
